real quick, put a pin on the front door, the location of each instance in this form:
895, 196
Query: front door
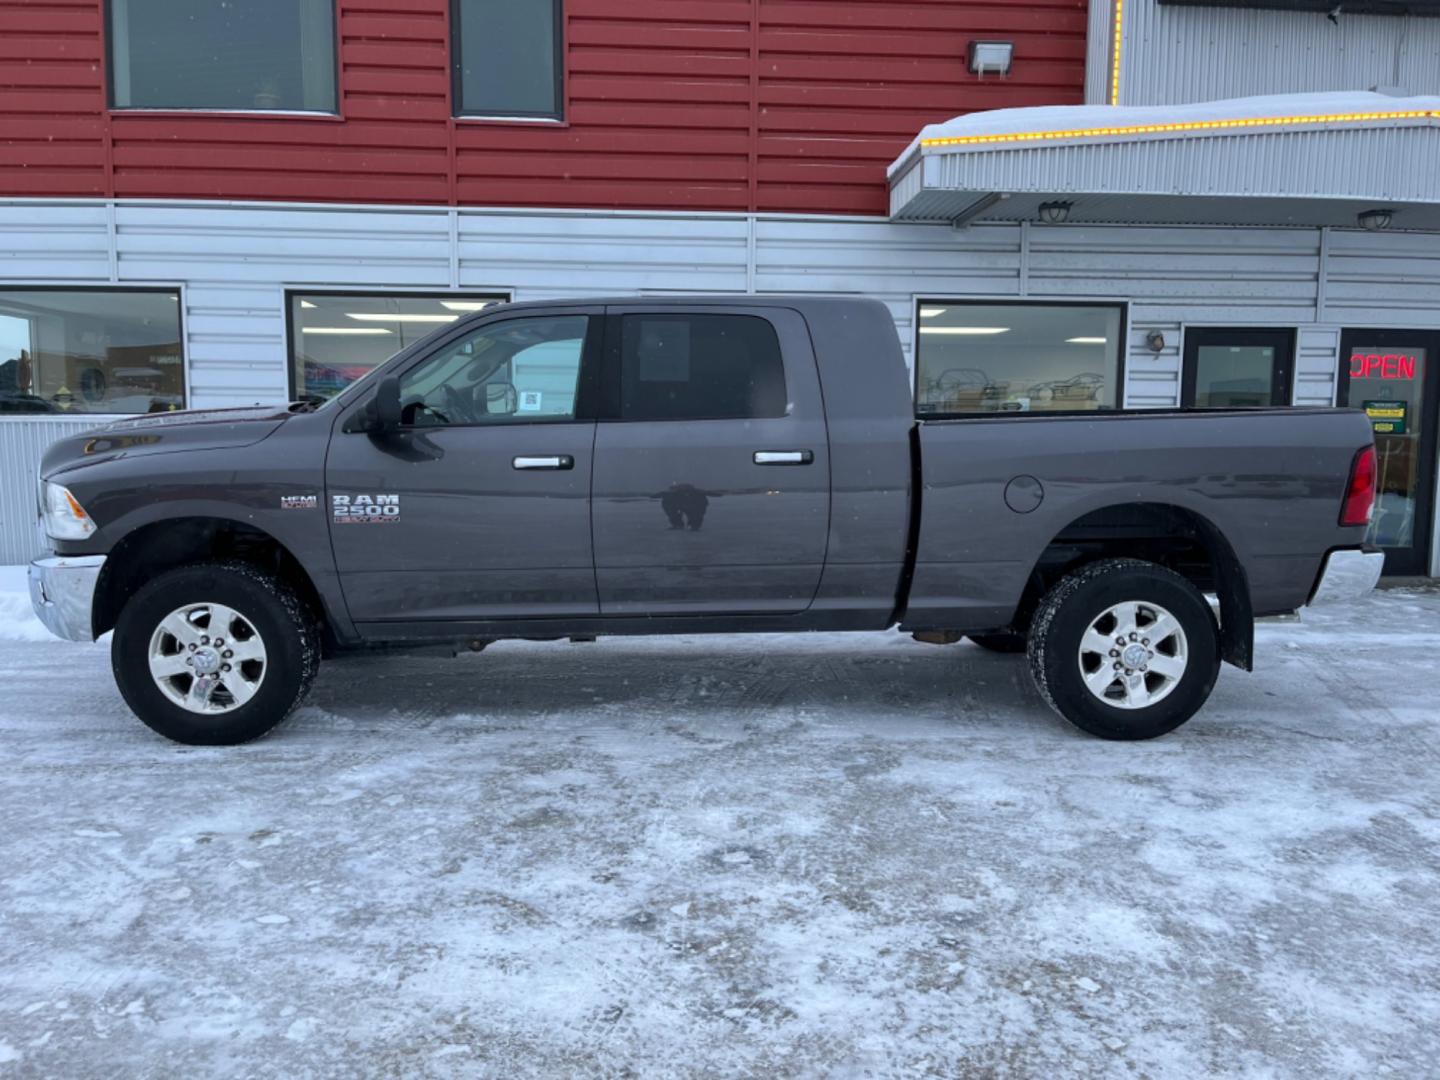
479, 508
712, 464
1390, 374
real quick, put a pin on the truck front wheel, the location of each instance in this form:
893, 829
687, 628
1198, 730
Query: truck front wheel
214, 654
1125, 649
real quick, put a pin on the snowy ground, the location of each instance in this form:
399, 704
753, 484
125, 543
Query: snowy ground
750, 856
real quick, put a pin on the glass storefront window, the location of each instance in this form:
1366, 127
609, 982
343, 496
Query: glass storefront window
979, 358
270, 55
335, 338
90, 351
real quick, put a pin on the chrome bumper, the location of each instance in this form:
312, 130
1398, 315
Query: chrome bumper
1348, 575
62, 592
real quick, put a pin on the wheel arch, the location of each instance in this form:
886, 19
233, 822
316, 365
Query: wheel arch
1170, 534
164, 544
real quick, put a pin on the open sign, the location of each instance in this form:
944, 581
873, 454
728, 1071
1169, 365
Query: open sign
1382, 366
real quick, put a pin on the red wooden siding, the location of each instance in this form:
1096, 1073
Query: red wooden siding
794, 105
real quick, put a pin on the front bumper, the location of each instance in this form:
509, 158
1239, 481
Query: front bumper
62, 592
1348, 575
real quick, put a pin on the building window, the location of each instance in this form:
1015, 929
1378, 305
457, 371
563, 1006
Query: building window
700, 367
1233, 369
508, 59
335, 338
270, 55
90, 351
980, 358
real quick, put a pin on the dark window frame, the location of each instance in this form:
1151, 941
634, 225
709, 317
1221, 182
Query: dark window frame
1416, 559
1282, 377
177, 291
108, 65
457, 74
291, 294
612, 401
1121, 349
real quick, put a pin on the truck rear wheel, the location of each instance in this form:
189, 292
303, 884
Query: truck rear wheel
214, 654
1125, 649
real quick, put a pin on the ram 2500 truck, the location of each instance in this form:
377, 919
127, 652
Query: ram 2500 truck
689, 465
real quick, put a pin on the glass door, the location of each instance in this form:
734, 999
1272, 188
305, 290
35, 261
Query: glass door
1236, 369
1388, 374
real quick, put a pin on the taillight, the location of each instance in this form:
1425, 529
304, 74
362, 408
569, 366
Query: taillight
1360, 495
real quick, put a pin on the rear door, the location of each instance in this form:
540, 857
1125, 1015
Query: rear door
711, 489
479, 508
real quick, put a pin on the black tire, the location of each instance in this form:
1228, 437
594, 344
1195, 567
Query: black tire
1067, 613
999, 643
288, 632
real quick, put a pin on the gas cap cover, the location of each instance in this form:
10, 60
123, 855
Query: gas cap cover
1023, 494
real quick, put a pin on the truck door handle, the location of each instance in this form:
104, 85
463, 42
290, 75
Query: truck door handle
558, 461
784, 457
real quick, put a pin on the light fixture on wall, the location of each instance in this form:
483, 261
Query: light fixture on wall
1155, 341
991, 57
1376, 220
1055, 213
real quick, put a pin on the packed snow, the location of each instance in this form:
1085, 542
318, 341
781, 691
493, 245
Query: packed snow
818, 855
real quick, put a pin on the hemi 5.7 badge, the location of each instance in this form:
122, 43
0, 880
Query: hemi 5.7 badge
365, 509
298, 502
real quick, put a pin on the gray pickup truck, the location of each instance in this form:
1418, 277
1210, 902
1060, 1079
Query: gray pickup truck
689, 465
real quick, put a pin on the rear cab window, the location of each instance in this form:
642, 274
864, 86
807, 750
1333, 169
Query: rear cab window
700, 366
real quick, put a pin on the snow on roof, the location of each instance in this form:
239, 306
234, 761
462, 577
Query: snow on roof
1005, 127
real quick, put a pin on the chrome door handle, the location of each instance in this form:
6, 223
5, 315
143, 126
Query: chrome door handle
558, 461
783, 457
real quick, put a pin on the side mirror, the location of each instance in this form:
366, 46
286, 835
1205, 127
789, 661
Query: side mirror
387, 404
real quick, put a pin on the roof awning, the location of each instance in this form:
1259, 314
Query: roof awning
1288, 159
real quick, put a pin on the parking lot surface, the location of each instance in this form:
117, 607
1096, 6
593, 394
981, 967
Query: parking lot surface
812, 855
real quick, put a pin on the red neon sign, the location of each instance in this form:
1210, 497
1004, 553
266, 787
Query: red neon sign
1382, 366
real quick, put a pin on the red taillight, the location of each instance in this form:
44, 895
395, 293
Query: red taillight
1360, 495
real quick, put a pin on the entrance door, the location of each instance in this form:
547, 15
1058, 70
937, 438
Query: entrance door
712, 466
1388, 373
479, 507
1232, 369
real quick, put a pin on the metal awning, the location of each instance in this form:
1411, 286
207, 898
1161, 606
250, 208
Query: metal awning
1289, 159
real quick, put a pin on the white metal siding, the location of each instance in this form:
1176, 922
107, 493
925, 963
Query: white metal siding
1178, 54
22, 444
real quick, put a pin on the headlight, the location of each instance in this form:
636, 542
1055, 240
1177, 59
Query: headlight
64, 517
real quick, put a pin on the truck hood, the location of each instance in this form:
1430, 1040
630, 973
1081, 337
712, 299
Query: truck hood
165, 433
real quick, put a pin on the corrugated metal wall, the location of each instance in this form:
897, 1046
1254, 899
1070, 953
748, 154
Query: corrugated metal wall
233, 264
22, 444
1173, 54
787, 105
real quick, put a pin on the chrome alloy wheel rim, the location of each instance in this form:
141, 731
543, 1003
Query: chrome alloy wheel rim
1133, 655
207, 658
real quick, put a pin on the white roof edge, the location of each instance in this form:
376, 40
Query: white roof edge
1070, 118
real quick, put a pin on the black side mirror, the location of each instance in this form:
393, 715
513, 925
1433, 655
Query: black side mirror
387, 404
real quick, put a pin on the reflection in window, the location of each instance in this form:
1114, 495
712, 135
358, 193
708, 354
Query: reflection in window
337, 338
994, 358
90, 351
517, 370
219, 54
700, 367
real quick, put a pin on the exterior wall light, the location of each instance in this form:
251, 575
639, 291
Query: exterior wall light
991, 57
1376, 220
1055, 213
1155, 341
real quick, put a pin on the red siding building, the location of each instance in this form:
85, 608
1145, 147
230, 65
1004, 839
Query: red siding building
733, 105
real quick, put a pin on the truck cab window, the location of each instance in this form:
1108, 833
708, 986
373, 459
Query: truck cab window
516, 371
700, 367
